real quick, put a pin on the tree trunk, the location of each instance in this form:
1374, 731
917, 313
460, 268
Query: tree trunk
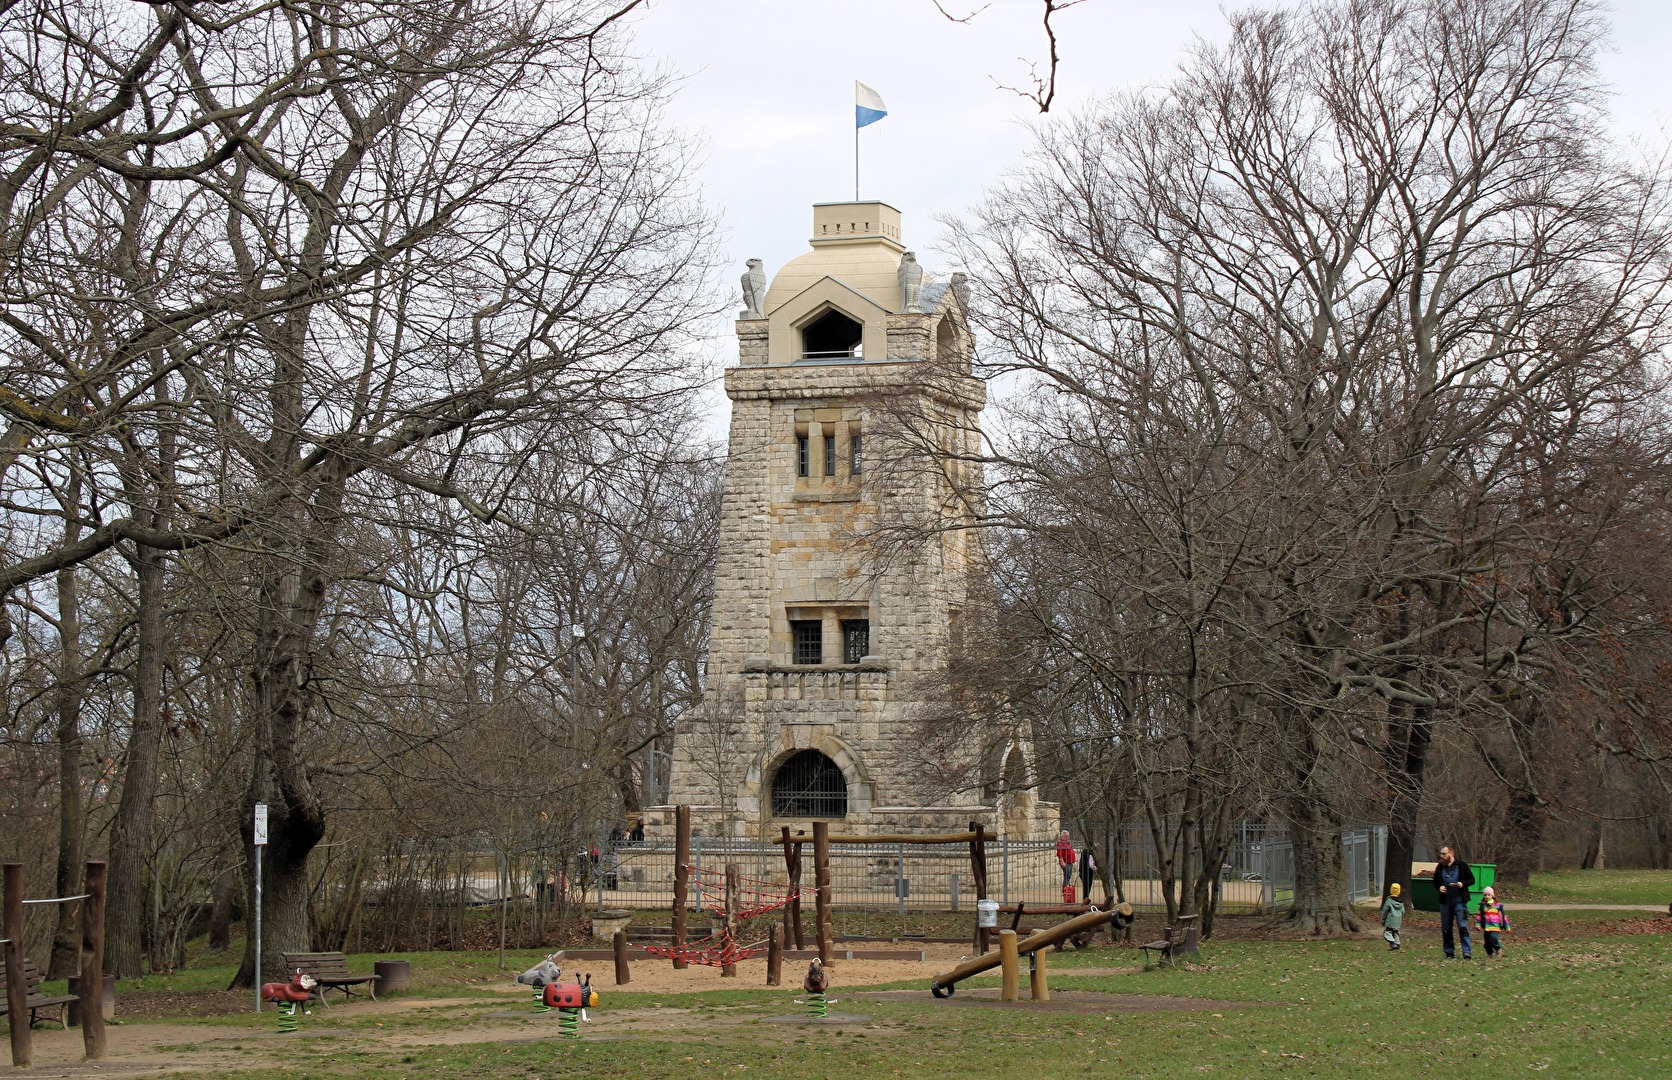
1525, 815
1407, 766
66, 938
1191, 863
1524, 822
1321, 907
1216, 837
220, 914
292, 594
130, 834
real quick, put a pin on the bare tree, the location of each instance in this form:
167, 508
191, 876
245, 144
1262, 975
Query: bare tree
1358, 239
378, 242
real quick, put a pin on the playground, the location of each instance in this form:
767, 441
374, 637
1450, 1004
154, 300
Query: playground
1581, 992
738, 981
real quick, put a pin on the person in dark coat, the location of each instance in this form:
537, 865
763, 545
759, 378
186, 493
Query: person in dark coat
1452, 881
1088, 872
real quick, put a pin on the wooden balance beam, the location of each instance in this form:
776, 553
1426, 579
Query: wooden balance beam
945, 985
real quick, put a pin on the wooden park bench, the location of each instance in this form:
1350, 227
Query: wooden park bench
1181, 937
331, 971
37, 1000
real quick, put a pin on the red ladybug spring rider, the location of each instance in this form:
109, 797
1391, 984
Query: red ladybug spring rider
570, 996
571, 1003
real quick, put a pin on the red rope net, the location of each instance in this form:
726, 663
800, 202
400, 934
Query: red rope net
754, 898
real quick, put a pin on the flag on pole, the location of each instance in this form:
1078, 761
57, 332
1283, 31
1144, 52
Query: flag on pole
867, 106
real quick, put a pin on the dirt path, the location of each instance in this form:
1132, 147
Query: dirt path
1588, 907
149, 1049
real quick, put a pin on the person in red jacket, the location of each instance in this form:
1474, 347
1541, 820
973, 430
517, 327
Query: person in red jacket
1066, 858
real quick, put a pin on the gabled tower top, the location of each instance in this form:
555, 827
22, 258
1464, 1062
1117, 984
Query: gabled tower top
854, 243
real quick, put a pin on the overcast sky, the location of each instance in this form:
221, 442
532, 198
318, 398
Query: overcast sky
767, 86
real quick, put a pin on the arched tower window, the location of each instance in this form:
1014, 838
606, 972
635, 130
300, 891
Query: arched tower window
831, 336
946, 341
809, 785
1015, 772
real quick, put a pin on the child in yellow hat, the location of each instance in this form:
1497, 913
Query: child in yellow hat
1393, 917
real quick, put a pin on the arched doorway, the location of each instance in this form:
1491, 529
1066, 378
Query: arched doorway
809, 785
1017, 797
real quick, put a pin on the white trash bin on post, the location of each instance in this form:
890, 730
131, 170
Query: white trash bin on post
987, 914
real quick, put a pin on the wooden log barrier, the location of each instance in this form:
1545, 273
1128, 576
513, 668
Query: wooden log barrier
774, 955
942, 985
880, 838
1009, 969
1038, 984
623, 970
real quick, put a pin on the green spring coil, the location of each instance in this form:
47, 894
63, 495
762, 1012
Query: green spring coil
287, 1017
569, 1023
817, 1006
540, 1005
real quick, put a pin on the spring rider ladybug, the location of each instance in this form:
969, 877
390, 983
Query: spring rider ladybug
571, 1003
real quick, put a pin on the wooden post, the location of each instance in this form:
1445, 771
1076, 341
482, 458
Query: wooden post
821, 877
734, 892
17, 985
774, 955
792, 910
623, 970
1009, 968
92, 962
978, 871
1038, 983
681, 876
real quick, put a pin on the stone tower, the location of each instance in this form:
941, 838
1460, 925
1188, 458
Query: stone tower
827, 645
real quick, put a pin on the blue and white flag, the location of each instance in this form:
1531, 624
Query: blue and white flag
867, 105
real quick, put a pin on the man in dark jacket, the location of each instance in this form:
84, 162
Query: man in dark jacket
1452, 880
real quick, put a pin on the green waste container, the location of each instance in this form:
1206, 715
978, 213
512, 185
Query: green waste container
1424, 897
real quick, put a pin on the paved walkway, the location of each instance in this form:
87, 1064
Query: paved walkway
1514, 906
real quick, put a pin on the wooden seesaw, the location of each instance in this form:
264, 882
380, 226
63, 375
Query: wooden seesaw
1010, 949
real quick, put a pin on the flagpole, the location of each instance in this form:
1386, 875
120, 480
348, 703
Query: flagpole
856, 160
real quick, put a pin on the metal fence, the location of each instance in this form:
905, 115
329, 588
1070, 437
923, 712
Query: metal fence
1258, 871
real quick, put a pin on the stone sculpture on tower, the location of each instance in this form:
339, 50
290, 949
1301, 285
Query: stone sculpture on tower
828, 649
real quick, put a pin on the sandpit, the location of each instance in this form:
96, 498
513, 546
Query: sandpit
654, 975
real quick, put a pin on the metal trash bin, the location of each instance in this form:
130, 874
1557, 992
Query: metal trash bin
393, 976
108, 1006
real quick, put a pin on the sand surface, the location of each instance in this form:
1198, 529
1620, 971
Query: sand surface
141, 1048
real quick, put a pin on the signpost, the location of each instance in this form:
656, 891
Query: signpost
260, 837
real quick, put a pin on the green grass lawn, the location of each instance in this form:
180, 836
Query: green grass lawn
1567, 1000
1600, 887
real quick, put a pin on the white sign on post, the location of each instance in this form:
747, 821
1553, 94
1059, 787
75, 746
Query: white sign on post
260, 837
